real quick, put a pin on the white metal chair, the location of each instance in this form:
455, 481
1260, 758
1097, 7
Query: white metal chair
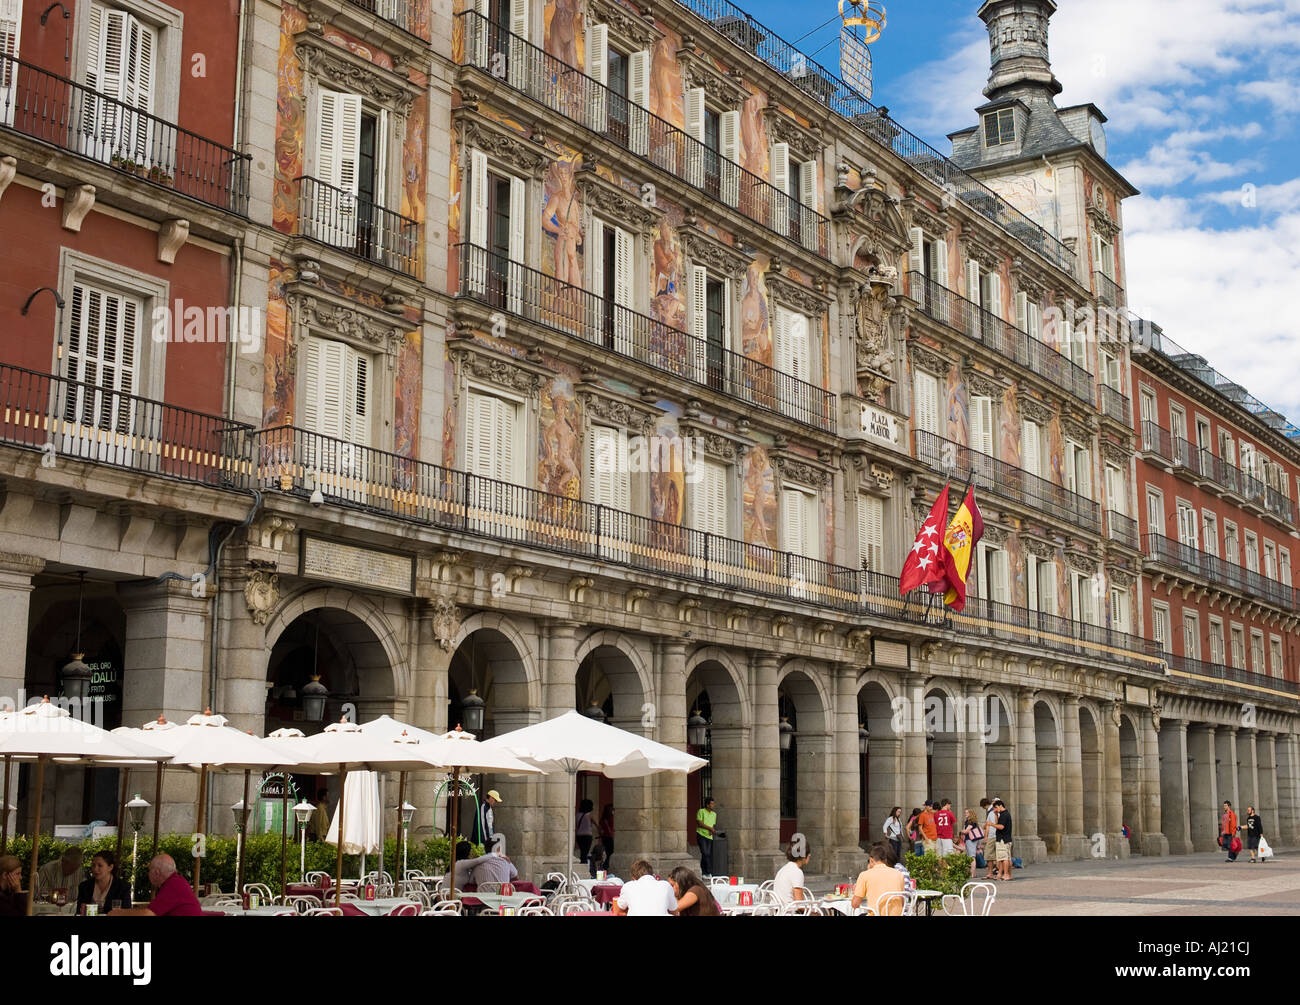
756, 911
975, 900
288, 912
314, 878
536, 911
410, 909
323, 912
797, 908
442, 907
225, 902
262, 890
492, 888
579, 904
558, 878
303, 903
885, 903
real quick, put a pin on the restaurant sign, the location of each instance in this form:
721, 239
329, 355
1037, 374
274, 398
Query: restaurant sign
105, 682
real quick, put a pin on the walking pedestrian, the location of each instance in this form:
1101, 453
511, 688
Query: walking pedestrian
1003, 842
582, 830
893, 831
1254, 831
607, 834
972, 835
1228, 828
929, 829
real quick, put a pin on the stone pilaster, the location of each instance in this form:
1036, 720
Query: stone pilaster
1225, 764
1154, 841
670, 722
1113, 782
844, 857
914, 773
1287, 746
975, 745
1247, 770
763, 853
16, 572
1074, 843
1202, 788
1024, 814
1266, 750
1174, 818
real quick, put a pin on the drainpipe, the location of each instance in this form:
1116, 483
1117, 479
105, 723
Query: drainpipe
236, 246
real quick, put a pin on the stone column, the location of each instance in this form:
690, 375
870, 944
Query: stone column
1024, 814
1202, 788
914, 780
1174, 819
1113, 782
762, 845
1266, 749
430, 663
559, 692
1288, 789
164, 674
1074, 843
670, 721
1247, 774
978, 731
845, 783
16, 572
1225, 769
1154, 841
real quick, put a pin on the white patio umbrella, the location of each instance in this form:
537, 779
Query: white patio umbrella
44, 732
572, 742
364, 833
207, 742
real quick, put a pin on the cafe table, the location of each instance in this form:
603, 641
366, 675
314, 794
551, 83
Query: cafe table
69, 908
496, 901
729, 896
261, 911
928, 897
372, 908
844, 905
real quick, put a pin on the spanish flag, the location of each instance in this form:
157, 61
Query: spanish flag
959, 542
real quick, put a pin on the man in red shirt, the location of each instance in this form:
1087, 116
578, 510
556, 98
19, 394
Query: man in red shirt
172, 895
944, 821
1228, 830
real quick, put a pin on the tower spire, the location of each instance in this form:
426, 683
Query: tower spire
1020, 63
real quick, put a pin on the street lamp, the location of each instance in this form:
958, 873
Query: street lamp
786, 732
697, 729
472, 710
863, 736
303, 812
314, 694
238, 811
75, 674
135, 813
407, 811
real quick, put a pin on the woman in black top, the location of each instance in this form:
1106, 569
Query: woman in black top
104, 884
1254, 831
13, 902
693, 898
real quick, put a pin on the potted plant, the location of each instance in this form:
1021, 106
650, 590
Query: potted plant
159, 174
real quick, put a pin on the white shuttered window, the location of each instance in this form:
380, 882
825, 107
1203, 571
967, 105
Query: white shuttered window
710, 498
121, 62
871, 533
103, 342
11, 25
926, 405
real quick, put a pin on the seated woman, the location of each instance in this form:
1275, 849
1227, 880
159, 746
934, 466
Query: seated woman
693, 898
104, 886
13, 901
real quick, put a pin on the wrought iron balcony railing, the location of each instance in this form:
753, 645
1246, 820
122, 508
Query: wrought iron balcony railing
1187, 561
82, 421
568, 92
1115, 405
403, 14
1109, 293
1157, 441
357, 227
1121, 528
299, 462
1007, 481
1225, 676
495, 280
69, 116
1003, 337
807, 75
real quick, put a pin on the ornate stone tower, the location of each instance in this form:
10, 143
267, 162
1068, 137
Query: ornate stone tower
1018, 44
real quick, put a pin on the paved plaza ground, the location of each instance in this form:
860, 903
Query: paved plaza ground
1174, 885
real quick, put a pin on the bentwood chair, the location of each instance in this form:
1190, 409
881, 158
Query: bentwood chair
408, 910
578, 904
262, 890
535, 911
886, 903
494, 888
323, 912
443, 908
303, 903
975, 900
801, 908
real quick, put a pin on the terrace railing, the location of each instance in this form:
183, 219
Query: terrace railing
1123, 529
1229, 676
1193, 563
357, 227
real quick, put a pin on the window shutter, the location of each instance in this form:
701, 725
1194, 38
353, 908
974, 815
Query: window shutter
624, 290
1047, 588
481, 30
927, 402
941, 264
638, 77
1031, 583
994, 306
520, 53
11, 27
1029, 448
478, 199
142, 44
695, 152
781, 185
800, 346
916, 257
781, 331
699, 321
729, 149
515, 268
1083, 475
106, 35
598, 70
973, 281
602, 460
808, 188
309, 415
1022, 311
1118, 610
102, 353
871, 533
794, 537
1002, 563
356, 425
726, 313
982, 420
710, 499
595, 241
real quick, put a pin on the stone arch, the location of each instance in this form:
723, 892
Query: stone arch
1094, 770
943, 722
999, 750
811, 696
728, 672
805, 768
625, 644
1130, 759
1048, 753
880, 769
507, 656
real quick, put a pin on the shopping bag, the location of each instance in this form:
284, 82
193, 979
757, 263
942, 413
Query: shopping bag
1264, 850
1235, 846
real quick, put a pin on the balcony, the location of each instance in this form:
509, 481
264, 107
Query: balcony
566, 91
1229, 679
298, 462
1109, 293
1157, 445
1115, 405
1188, 562
1006, 481
56, 111
1122, 530
357, 227
1002, 337
402, 14
1279, 506
500, 284
85, 422
760, 41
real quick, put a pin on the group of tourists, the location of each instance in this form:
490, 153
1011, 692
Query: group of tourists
985, 834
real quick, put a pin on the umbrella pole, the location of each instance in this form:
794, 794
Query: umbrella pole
455, 829
243, 837
121, 813
200, 830
338, 872
284, 837
157, 808
36, 833
573, 823
4, 810
401, 803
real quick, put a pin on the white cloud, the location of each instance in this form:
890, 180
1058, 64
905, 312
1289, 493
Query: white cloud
1263, 199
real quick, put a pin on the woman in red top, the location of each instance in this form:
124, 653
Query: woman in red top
1228, 830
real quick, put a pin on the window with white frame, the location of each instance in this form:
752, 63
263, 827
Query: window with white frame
1275, 655
1210, 528
1257, 651
1110, 371
1187, 530
1119, 610
1147, 404
1000, 127
1227, 447
514, 17
612, 255
1103, 254
800, 526
797, 180
11, 28
1203, 439
1216, 641
1029, 315
494, 437
711, 161
1252, 551
1270, 560
994, 578
1155, 512
1238, 635
984, 290
871, 532
1249, 461
1231, 546
1191, 635
496, 231
925, 406
1083, 598
1115, 494
1178, 432
1040, 585
792, 352
335, 404
1078, 469
619, 113
1032, 446
609, 476
982, 424
928, 259
1284, 566
1160, 625
710, 326
710, 509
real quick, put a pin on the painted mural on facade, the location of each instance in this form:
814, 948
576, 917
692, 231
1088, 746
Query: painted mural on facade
290, 124
1009, 428
760, 499
277, 390
559, 465
958, 408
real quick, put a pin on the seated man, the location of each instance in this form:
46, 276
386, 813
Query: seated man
172, 895
65, 873
491, 868
877, 880
646, 896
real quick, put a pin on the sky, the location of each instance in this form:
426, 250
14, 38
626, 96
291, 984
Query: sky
1203, 103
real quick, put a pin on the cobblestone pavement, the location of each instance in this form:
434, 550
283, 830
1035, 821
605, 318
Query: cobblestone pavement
1176, 885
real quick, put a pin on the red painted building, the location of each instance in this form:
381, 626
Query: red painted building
1216, 481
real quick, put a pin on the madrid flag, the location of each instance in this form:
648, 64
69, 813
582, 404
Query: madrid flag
959, 542
924, 565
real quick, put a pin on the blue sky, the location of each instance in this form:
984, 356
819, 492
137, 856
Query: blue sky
1203, 98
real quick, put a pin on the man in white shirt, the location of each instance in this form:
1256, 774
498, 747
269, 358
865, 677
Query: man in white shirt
645, 896
788, 885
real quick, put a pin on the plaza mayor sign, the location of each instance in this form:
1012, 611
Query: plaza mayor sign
879, 425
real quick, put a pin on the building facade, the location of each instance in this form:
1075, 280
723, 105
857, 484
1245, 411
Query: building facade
609, 355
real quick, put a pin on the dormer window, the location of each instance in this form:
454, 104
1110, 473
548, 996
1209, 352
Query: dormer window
999, 127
